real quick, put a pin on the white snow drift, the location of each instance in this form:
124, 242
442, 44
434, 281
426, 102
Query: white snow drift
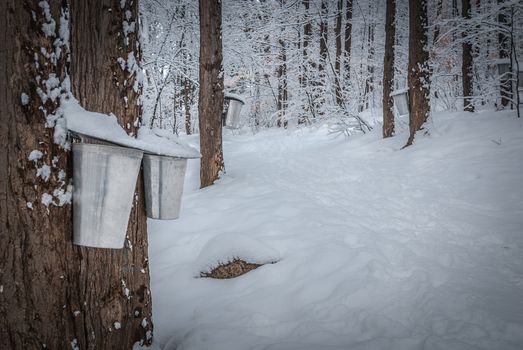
381, 248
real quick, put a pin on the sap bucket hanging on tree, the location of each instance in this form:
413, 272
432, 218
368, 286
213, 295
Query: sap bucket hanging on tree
163, 181
401, 101
232, 116
104, 180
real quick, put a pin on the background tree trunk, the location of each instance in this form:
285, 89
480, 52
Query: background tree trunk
337, 64
187, 103
282, 85
348, 41
55, 294
323, 39
466, 63
419, 74
210, 103
504, 52
369, 81
388, 68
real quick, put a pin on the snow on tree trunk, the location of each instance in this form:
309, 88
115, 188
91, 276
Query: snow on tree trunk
210, 103
388, 68
53, 294
418, 71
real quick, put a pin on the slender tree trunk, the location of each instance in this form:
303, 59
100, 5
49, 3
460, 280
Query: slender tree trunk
466, 66
369, 82
337, 65
388, 68
306, 64
210, 103
175, 119
347, 41
439, 8
256, 111
187, 103
307, 32
419, 74
319, 94
323, 38
504, 52
53, 294
282, 86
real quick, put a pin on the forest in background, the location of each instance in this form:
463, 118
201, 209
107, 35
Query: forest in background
300, 62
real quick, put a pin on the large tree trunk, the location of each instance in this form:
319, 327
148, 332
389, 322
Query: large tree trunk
120, 278
419, 74
337, 64
53, 294
466, 63
388, 68
211, 91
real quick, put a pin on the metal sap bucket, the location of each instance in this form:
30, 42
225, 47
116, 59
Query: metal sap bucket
401, 101
104, 179
163, 181
232, 119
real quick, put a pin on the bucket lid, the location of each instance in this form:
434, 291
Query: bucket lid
234, 97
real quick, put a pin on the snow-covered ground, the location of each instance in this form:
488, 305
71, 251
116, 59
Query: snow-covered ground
379, 248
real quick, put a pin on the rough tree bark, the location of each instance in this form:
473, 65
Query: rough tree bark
100, 35
419, 73
466, 63
210, 102
388, 68
337, 64
53, 294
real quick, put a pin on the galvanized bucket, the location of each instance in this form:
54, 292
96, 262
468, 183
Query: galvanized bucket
401, 101
232, 120
163, 181
104, 180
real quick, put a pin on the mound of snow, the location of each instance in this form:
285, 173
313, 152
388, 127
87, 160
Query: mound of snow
227, 247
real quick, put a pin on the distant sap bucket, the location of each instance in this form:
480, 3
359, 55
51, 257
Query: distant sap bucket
104, 179
232, 118
401, 101
503, 65
163, 181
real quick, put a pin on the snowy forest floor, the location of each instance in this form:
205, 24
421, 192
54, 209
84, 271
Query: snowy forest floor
380, 247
